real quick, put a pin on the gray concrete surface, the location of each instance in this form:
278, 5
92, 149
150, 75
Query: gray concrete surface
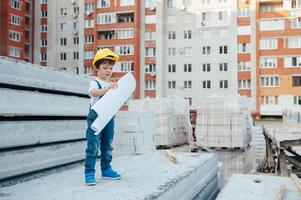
14, 102
151, 176
23, 133
27, 74
18, 162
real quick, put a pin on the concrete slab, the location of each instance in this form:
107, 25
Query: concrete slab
40, 132
246, 187
151, 176
43, 104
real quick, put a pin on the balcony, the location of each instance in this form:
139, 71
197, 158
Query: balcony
106, 35
270, 1
125, 17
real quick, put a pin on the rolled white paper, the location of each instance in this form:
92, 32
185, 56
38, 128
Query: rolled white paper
108, 105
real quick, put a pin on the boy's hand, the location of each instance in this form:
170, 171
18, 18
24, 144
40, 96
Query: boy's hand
113, 85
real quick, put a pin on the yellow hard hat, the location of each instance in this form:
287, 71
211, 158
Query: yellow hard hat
104, 53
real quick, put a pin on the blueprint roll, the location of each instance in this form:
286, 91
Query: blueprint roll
107, 106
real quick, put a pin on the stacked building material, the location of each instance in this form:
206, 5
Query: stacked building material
42, 117
144, 177
134, 132
292, 116
223, 122
258, 143
171, 119
250, 187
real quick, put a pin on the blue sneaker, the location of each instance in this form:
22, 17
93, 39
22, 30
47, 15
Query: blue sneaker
90, 179
110, 174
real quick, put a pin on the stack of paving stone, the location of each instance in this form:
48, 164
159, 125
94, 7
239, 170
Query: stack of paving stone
43, 117
223, 122
134, 132
171, 119
258, 143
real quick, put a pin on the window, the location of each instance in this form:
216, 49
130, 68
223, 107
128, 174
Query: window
206, 67
187, 67
297, 100
43, 57
223, 84
189, 100
63, 56
205, 2
14, 52
75, 55
171, 3
207, 84
88, 69
244, 48
206, 50
63, 41
171, 35
43, 43
150, 3
268, 62
125, 33
269, 100
292, 61
15, 36
150, 35
150, 85
269, 81
171, 84
244, 66
89, 23
16, 4
205, 17
63, 26
296, 81
124, 66
223, 49
187, 34
222, 15
106, 18
75, 26
89, 7
125, 50
126, 2
294, 42
187, 84
172, 51
186, 51
88, 54
272, 24
150, 68
75, 11
43, 28
150, 52
172, 68
296, 22
15, 20
105, 3
43, 1
44, 13
244, 84
223, 67
268, 44
63, 11
75, 40
244, 12
89, 39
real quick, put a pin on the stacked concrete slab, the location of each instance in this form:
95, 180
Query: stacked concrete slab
144, 177
134, 132
250, 187
43, 117
292, 116
171, 119
223, 122
258, 143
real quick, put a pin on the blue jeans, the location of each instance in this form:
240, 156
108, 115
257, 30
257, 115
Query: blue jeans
102, 141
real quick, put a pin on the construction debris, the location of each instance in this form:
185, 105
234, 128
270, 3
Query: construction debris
171, 156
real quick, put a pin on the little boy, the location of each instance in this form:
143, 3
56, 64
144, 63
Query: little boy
104, 61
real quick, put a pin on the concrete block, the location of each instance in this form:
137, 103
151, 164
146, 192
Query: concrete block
18, 162
31, 75
23, 133
24, 103
264, 187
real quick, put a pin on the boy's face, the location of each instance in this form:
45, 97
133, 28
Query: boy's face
105, 71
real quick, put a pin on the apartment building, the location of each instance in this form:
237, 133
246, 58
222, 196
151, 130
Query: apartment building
16, 32
278, 55
197, 41
58, 33
115, 25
